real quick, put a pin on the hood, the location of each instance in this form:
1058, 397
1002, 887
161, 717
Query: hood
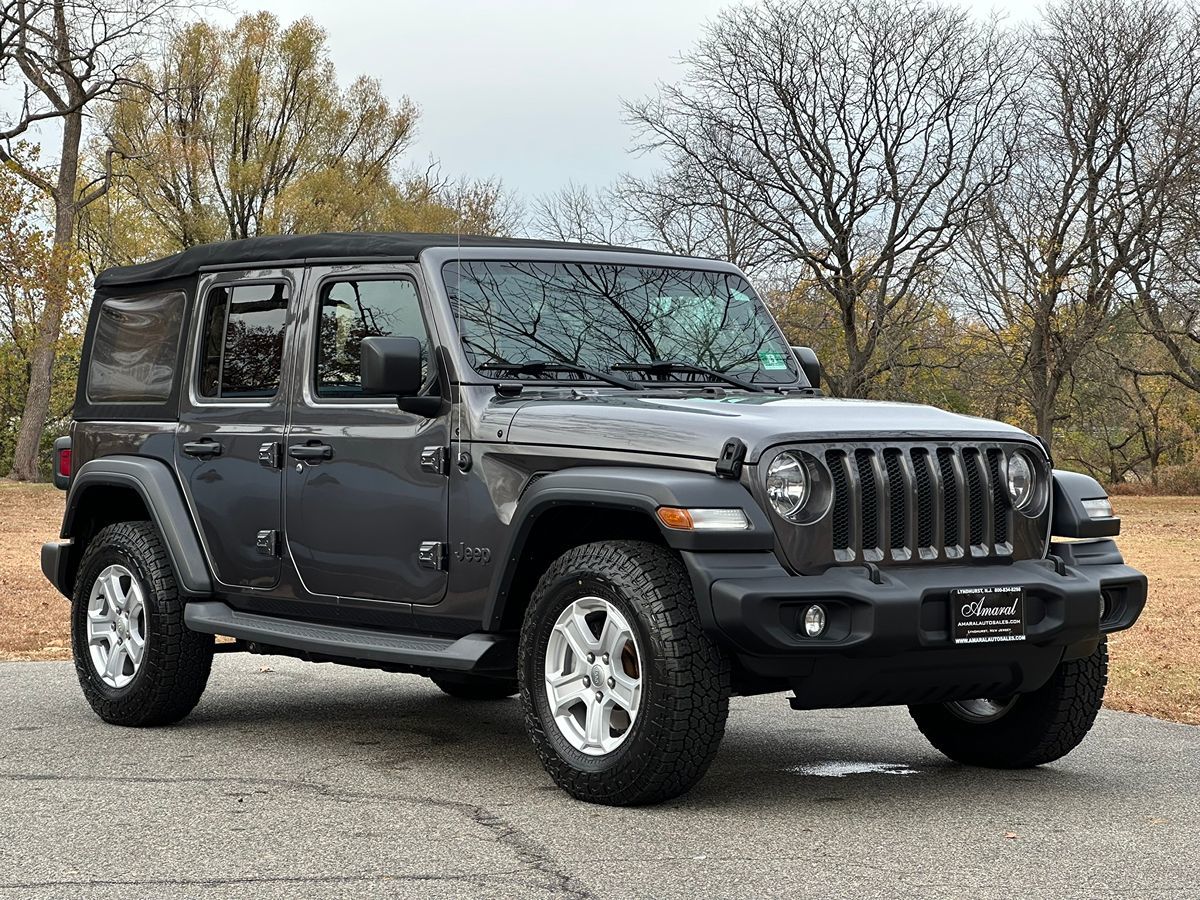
699, 426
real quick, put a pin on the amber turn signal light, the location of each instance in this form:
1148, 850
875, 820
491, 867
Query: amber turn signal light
703, 519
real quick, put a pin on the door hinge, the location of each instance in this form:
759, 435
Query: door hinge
435, 460
268, 543
270, 455
432, 555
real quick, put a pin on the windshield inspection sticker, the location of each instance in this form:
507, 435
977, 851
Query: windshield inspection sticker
771, 359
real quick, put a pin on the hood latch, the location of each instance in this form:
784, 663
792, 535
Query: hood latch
733, 454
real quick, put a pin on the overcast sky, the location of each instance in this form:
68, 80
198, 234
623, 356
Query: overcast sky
525, 90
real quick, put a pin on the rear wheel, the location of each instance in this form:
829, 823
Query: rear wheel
137, 663
1024, 730
625, 695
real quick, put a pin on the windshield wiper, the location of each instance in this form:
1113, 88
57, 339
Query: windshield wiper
661, 367
540, 367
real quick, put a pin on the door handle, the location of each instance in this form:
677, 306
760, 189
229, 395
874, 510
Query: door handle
310, 452
204, 449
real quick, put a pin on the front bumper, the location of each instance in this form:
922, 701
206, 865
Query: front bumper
890, 642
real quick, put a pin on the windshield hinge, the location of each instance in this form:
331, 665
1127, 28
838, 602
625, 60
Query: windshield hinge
733, 454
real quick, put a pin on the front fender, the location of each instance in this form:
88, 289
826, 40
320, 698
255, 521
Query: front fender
1069, 518
642, 490
645, 490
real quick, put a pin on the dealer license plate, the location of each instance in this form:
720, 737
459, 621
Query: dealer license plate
987, 615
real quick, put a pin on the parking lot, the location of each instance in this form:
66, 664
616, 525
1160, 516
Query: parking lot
294, 778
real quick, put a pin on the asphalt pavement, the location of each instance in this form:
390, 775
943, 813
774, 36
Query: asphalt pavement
294, 779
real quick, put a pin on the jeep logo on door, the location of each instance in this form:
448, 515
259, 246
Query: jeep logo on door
481, 555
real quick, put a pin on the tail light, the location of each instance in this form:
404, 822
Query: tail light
62, 463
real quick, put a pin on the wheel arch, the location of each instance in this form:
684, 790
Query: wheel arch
133, 488
583, 505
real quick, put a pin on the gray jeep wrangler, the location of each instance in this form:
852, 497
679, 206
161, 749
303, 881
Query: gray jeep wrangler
593, 476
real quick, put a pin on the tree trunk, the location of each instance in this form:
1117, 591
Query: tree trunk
49, 326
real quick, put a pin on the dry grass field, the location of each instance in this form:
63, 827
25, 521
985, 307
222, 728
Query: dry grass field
1155, 665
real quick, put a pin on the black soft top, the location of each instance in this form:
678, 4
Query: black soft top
311, 247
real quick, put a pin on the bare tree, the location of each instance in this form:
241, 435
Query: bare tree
579, 213
673, 211
692, 213
67, 56
857, 137
1062, 242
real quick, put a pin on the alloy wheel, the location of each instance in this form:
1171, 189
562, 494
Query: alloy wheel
116, 626
593, 676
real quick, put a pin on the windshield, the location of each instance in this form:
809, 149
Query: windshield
599, 316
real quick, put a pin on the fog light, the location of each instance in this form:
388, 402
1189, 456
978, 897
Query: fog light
814, 620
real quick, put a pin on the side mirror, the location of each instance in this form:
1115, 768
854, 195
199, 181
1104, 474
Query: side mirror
391, 367
809, 364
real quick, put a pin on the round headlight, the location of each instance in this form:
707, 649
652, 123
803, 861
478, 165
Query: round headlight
787, 484
1021, 486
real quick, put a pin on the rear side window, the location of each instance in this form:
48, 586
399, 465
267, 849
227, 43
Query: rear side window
353, 310
135, 349
243, 341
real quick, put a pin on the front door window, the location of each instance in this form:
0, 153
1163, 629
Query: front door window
355, 309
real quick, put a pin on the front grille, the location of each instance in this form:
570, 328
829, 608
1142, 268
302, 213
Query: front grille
898, 504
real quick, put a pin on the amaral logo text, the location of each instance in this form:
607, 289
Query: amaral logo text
977, 610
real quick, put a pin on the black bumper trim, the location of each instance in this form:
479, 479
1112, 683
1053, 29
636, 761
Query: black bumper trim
756, 610
56, 565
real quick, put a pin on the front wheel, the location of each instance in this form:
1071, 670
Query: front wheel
137, 662
1025, 730
625, 696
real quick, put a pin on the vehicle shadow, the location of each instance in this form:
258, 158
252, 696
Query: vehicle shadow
771, 757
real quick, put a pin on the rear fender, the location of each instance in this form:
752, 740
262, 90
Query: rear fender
153, 482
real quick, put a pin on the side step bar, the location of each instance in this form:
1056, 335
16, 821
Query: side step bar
480, 652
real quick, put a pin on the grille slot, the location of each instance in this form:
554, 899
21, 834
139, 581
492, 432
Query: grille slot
870, 499
1000, 499
975, 493
899, 497
924, 487
841, 499
927, 503
945, 458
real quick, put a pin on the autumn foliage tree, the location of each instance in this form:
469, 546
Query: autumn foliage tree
67, 59
245, 130
27, 268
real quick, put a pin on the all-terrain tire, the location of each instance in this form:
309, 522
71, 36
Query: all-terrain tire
1038, 728
483, 689
685, 677
176, 661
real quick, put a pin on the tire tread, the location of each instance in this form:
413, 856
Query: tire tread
178, 661
690, 722
1045, 725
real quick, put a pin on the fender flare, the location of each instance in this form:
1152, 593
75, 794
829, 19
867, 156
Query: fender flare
1069, 518
641, 490
154, 482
